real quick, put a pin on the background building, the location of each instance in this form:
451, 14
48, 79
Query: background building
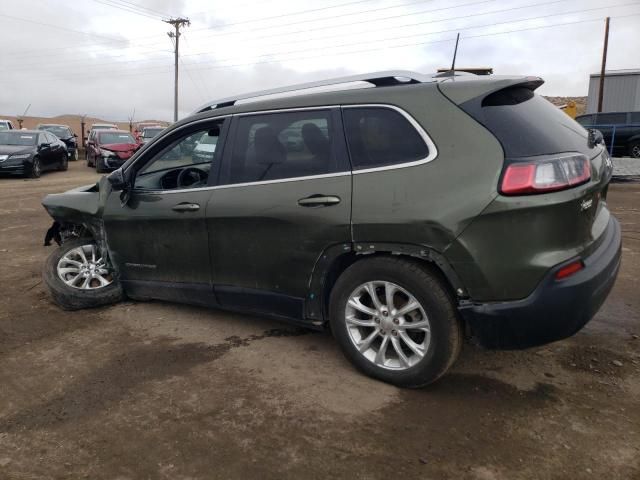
621, 91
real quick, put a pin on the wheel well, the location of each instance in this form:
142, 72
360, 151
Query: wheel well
452, 285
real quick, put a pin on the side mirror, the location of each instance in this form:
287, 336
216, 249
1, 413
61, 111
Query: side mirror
75, 135
117, 180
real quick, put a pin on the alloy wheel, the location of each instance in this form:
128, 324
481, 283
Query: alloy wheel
84, 268
35, 168
387, 325
635, 151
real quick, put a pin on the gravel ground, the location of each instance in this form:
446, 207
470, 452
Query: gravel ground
156, 390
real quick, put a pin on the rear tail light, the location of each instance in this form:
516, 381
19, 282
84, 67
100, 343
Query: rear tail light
569, 270
545, 174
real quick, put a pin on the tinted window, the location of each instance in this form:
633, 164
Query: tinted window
612, 118
635, 117
283, 145
526, 124
380, 136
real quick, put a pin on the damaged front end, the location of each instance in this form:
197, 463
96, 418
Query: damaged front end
77, 213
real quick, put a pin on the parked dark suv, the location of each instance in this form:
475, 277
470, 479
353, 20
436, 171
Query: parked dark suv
621, 131
402, 214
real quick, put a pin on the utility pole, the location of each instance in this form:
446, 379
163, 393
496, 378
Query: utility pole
604, 64
177, 23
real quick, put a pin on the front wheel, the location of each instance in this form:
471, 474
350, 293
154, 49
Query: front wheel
36, 168
64, 162
78, 276
634, 149
395, 321
100, 166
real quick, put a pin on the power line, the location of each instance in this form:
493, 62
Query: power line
402, 37
128, 9
399, 26
386, 47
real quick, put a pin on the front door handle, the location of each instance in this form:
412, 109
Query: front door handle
319, 200
186, 207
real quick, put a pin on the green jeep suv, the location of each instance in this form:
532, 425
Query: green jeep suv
402, 211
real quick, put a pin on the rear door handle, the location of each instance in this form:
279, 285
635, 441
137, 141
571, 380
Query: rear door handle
186, 207
319, 200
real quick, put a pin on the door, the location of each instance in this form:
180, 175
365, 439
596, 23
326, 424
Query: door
158, 240
45, 151
284, 198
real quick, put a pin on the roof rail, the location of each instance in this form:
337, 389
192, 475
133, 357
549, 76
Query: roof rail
377, 79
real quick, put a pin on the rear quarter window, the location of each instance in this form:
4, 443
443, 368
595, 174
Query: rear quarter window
526, 124
379, 137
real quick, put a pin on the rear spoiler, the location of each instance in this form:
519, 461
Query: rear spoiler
462, 89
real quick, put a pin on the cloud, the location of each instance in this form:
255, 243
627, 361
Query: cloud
125, 61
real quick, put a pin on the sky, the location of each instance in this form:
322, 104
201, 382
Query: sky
113, 58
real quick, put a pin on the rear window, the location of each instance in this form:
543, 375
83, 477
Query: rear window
108, 138
526, 124
379, 137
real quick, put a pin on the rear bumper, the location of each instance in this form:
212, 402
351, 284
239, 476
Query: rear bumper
556, 309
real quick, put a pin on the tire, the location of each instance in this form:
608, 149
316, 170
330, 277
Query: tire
74, 157
634, 149
36, 168
70, 298
64, 163
100, 168
441, 345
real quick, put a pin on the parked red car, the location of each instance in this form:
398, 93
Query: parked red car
109, 149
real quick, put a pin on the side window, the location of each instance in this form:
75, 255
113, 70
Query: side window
612, 118
283, 145
585, 120
183, 163
635, 118
42, 139
379, 136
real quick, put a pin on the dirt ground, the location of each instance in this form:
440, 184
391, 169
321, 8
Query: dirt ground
156, 390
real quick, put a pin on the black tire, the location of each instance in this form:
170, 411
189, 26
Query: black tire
64, 163
100, 167
36, 168
70, 298
427, 287
634, 149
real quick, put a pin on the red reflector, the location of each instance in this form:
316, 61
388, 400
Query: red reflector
569, 270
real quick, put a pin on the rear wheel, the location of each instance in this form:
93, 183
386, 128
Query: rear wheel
634, 149
36, 168
395, 321
77, 276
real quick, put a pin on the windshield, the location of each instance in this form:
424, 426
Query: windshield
17, 138
151, 132
60, 132
108, 137
102, 127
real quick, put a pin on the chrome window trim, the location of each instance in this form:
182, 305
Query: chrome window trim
433, 151
431, 146
247, 184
